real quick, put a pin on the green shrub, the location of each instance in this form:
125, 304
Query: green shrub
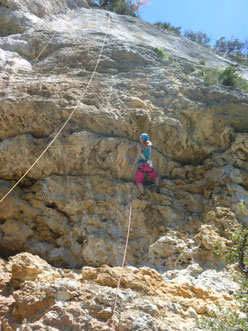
124, 7
198, 37
229, 46
227, 77
211, 76
224, 319
169, 27
174, 64
161, 53
242, 83
203, 61
241, 58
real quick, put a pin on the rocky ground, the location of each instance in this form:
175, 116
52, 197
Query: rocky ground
72, 209
36, 296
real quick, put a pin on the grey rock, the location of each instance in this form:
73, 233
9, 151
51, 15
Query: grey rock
76, 199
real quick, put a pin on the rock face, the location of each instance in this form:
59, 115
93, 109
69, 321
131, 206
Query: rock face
41, 297
72, 208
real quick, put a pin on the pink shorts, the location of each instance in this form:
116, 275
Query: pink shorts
145, 170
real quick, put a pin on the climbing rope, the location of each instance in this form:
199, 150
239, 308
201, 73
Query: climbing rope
53, 140
50, 40
68, 119
123, 262
45, 47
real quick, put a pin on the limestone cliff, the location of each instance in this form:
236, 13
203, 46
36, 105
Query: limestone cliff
40, 297
72, 208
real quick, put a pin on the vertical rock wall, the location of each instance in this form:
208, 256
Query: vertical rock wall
72, 208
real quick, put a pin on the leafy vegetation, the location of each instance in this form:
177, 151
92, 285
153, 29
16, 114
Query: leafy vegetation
227, 77
124, 7
210, 76
174, 64
198, 37
161, 53
229, 46
224, 319
232, 47
134, 8
240, 58
203, 61
169, 27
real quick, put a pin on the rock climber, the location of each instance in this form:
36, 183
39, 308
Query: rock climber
145, 165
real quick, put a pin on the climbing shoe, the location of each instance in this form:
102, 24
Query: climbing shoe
158, 190
141, 196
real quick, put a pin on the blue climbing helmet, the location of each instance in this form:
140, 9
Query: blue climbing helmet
144, 136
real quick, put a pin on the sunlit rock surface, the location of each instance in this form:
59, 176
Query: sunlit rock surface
36, 296
72, 209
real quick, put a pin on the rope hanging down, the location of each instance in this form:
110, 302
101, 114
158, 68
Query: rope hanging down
68, 119
56, 136
50, 40
123, 264
45, 47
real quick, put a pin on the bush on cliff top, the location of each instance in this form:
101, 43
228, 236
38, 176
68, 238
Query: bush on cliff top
229, 46
198, 37
124, 7
169, 27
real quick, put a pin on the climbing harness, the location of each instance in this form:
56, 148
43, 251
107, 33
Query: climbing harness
145, 171
68, 119
124, 259
146, 163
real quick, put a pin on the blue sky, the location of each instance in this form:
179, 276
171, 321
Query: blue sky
216, 18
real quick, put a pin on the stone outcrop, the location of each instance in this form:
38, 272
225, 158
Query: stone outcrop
72, 208
45, 298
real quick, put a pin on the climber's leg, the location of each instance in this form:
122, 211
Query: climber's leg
155, 178
139, 181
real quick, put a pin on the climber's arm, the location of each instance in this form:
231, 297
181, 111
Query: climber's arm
140, 152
